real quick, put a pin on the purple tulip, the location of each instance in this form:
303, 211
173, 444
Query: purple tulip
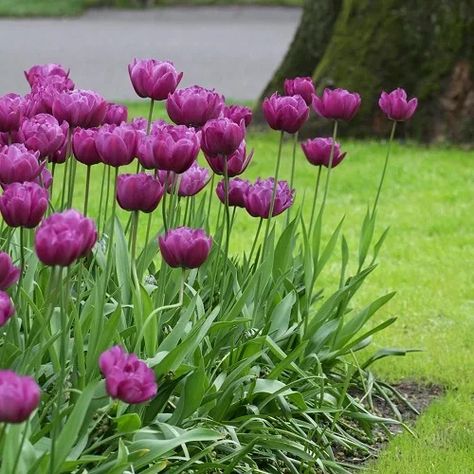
237, 113
170, 148
115, 114
9, 274
191, 181
80, 108
40, 99
45, 179
139, 123
11, 112
138, 192
18, 164
43, 133
154, 79
318, 152
19, 397
185, 247
7, 310
194, 106
65, 237
221, 137
285, 113
236, 163
60, 155
337, 104
238, 189
259, 197
83, 146
302, 86
127, 378
395, 105
41, 72
116, 145
24, 204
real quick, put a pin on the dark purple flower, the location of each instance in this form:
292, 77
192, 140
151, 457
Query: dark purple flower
127, 378
19, 397
185, 247
138, 192
65, 237
237, 113
194, 106
42, 72
139, 123
221, 137
318, 152
9, 274
396, 106
7, 310
302, 86
191, 181
83, 146
18, 164
45, 179
237, 162
154, 79
115, 113
11, 112
337, 104
237, 191
259, 197
285, 113
116, 145
23, 204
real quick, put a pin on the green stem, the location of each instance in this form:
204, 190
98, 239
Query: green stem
107, 195
292, 175
211, 192
135, 217
186, 210
53, 169
20, 449
164, 211
20, 280
227, 210
150, 115
331, 157
315, 197
392, 135
101, 199
86, 196
63, 190
255, 239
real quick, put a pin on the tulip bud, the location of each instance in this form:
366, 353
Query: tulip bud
127, 378
285, 113
185, 247
116, 145
11, 111
19, 397
337, 104
191, 181
83, 146
45, 179
318, 152
194, 106
237, 113
237, 162
138, 192
302, 86
41, 72
9, 274
7, 310
154, 79
395, 105
115, 114
23, 204
17, 164
65, 237
259, 197
221, 137
238, 189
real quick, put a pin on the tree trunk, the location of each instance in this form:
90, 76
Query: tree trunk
423, 46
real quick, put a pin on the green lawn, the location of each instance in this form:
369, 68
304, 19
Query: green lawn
427, 258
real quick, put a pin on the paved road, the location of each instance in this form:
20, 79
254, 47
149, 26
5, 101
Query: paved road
234, 49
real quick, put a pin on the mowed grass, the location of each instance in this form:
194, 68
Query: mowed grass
427, 258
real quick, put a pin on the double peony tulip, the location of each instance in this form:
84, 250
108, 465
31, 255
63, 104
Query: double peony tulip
116, 144
259, 197
237, 162
318, 152
138, 192
11, 112
396, 106
285, 113
238, 189
337, 104
221, 137
18, 164
302, 86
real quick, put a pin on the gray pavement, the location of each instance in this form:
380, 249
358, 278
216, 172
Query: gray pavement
234, 49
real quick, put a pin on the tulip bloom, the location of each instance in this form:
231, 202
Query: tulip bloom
19, 397
43, 133
127, 378
237, 162
169, 148
45, 179
191, 181
9, 274
7, 310
396, 106
24, 204
185, 247
42, 72
80, 108
238, 189
40, 99
194, 106
237, 113
285, 113
11, 111
337, 104
154, 79
138, 192
116, 145
65, 237
302, 86
83, 146
259, 197
318, 152
115, 114
221, 137
18, 164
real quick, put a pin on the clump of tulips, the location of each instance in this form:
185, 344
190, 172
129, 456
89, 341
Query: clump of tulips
111, 359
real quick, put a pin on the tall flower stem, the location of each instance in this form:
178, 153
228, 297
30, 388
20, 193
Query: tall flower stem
387, 156
20, 280
211, 192
53, 169
292, 175
272, 202
331, 158
101, 199
72, 174
254, 245
20, 448
63, 190
135, 217
112, 223
227, 210
315, 197
107, 194
86, 195
164, 211
150, 116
